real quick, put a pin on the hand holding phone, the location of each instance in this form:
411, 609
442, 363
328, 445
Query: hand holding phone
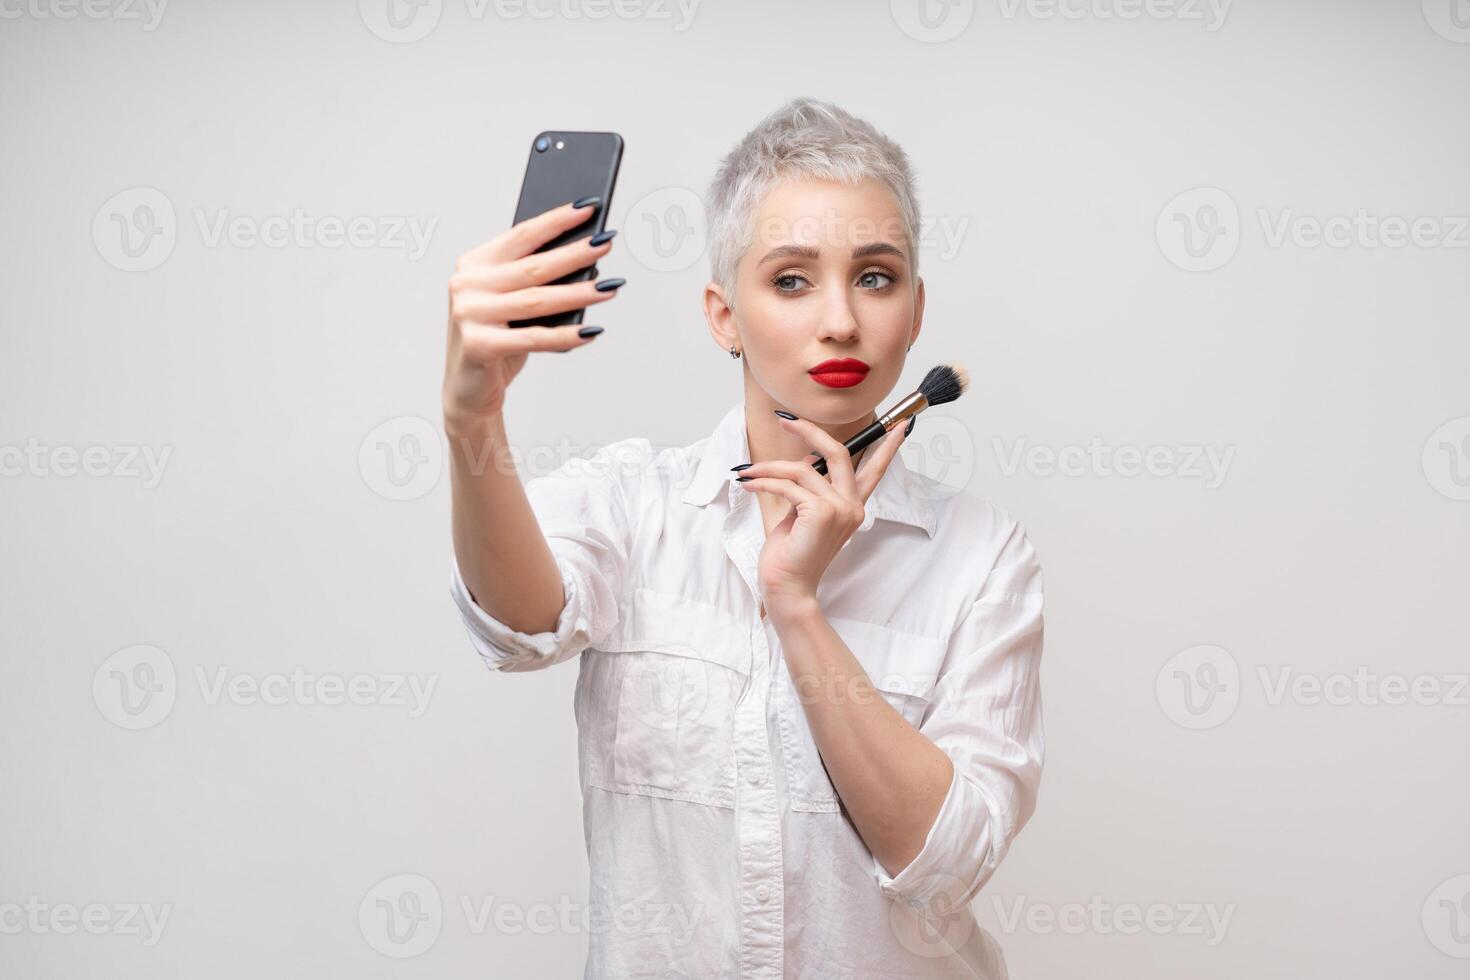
535, 273
502, 280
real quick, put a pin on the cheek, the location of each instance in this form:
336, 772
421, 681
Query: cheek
775, 323
887, 323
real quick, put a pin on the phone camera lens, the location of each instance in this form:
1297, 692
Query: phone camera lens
542, 143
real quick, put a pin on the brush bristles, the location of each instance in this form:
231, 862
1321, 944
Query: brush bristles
944, 383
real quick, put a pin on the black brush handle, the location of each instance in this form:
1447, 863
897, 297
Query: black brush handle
856, 444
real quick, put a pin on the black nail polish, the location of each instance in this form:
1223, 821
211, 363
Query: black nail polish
593, 273
786, 415
742, 466
589, 331
583, 202
600, 237
608, 285
744, 479
910, 427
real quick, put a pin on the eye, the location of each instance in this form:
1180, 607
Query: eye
866, 280
787, 277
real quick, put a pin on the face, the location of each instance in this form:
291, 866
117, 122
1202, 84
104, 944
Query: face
827, 278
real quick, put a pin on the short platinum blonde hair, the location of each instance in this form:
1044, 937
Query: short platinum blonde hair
804, 138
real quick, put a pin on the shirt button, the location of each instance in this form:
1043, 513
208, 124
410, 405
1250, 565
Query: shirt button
762, 893
756, 777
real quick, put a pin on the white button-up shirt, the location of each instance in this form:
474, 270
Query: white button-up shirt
716, 844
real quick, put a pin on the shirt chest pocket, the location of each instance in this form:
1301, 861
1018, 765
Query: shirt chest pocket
903, 668
658, 702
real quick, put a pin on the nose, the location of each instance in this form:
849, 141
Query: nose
838, 322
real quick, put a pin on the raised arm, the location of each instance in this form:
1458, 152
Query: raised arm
503, 557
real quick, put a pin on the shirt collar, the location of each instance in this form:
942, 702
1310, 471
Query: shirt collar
895, 498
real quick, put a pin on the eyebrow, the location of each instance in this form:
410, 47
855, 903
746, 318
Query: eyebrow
807, 252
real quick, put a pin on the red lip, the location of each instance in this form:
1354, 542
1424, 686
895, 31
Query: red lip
839, 372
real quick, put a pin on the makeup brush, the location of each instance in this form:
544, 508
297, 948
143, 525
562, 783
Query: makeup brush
943, 383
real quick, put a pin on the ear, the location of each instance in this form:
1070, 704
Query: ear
918, 312
720, 316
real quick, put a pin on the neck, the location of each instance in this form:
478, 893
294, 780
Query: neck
767, 440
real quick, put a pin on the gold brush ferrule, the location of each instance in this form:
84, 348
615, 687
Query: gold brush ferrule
911, 405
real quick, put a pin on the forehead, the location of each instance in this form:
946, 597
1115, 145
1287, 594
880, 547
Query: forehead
829, 214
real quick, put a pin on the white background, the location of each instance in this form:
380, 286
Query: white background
1053, 141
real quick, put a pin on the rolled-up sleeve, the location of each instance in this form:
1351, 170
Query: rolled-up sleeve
583, 508
986, 716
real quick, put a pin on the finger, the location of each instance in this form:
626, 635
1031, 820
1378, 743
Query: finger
785, 489
839, 460
483, 344
876, 459
524, 237
802, 474
531, 303
536, 269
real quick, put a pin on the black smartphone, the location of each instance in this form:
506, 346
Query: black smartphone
566, 166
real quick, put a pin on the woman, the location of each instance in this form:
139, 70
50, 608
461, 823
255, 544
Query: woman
808, 706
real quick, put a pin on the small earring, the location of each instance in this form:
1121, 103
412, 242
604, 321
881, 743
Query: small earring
734, 353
